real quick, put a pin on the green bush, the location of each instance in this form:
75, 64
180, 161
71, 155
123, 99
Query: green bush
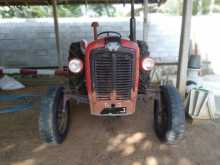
63, 11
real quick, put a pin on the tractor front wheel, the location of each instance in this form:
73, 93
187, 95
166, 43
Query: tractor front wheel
54, 116
169, 115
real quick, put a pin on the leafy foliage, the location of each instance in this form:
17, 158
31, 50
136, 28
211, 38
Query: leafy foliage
69, 10
174, 7
24, 11
63, 11
103, 10
39, 11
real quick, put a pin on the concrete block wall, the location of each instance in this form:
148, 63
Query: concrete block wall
31, 42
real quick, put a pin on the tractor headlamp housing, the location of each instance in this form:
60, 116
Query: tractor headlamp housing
148, 64
75, 65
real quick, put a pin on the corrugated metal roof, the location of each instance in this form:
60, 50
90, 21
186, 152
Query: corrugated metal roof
48, 2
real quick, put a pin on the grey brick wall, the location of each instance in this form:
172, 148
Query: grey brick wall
31, 42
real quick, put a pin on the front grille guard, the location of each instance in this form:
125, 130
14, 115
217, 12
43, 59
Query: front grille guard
112, 72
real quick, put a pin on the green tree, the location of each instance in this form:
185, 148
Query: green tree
216, 7
205, 6
39, 11
103, 9
174, 7
24, 12
69, 10
63, 11
196, 7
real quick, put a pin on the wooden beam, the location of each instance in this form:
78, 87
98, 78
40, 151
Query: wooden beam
184, 47
59, 2
56, 29
145, 22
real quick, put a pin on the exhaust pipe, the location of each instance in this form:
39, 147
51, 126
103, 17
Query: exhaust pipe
95, 25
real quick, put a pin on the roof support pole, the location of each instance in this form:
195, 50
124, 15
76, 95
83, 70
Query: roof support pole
184, 47
56, 29
145, 22
132, 23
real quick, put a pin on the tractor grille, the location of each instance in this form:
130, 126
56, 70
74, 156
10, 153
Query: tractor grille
112, 73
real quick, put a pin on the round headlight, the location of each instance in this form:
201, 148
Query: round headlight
148, 64
75, 65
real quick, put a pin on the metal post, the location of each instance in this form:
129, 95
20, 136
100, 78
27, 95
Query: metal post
184, 47
132, 23
145, 26
56, 29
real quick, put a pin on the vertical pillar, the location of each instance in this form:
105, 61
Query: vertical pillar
145, 21
184, 46
132, 23
56, 29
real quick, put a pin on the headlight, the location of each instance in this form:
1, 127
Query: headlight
148, 64
75, 65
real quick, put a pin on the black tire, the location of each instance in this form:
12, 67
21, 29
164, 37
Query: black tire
51, 127
169, 115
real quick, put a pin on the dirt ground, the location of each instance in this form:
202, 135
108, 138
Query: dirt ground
106, 141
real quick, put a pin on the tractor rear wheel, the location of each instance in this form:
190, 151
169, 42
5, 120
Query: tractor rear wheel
54, 117
169, 115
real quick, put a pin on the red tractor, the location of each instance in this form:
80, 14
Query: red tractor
109, 73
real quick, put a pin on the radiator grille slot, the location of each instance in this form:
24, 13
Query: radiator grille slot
112, 72
123, 76
103, 76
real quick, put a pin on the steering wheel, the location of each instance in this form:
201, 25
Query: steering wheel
108, 34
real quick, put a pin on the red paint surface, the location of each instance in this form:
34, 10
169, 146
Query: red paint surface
26, 72
100, 43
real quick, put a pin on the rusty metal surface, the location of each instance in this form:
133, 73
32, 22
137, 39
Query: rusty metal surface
152, 92
98, 106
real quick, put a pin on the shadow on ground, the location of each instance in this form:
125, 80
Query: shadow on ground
106, 141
